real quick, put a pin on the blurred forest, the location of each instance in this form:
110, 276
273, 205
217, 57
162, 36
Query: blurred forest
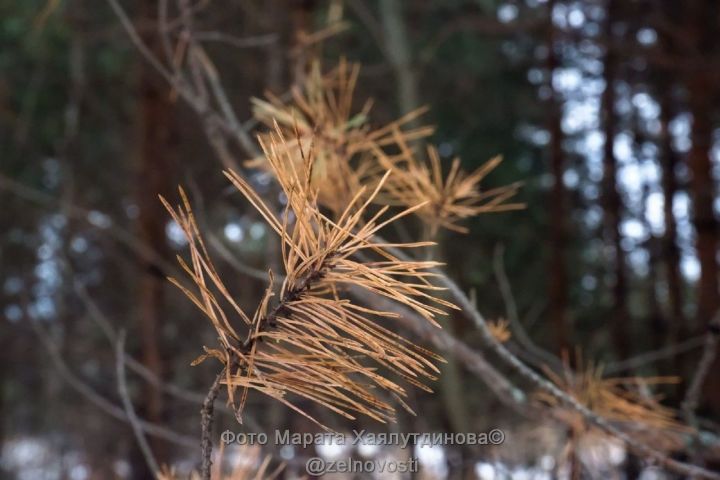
607, 111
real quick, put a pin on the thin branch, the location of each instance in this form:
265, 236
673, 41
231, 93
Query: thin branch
228, 120
231, 121
115, 231
371, 23
474, 361
129, 410
142, 48
206, 414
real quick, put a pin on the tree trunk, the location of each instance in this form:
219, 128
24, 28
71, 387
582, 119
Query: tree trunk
658, 321
558, 285
670, 250
702, 96
156, 115
703, 194
301, 16
399, 54
611, 197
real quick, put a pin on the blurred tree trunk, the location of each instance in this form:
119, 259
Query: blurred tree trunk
670, 250
658, 321
399, 54
558, 285
612, 202
701, 85
156, 114
301, 17
400, 58
276, 60
5, 379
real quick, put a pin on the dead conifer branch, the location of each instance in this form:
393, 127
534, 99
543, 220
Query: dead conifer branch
314, 343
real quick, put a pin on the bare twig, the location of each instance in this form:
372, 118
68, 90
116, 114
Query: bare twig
206, 422
371, 23
142, 48
201, 66
255, 273
127, 404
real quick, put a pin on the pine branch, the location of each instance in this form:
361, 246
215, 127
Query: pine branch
315, 343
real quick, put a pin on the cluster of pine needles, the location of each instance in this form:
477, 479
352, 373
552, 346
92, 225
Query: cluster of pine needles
313, 342
351, 154
343, 181
626, 401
